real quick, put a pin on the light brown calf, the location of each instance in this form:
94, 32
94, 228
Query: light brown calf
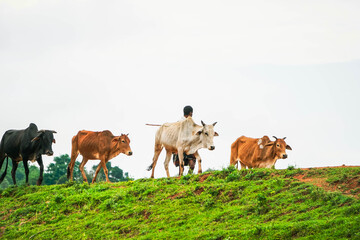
97, 145
257, 152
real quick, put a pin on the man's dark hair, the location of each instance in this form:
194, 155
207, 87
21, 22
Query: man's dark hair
187, 110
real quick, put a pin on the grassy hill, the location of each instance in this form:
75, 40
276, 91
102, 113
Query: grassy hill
227, 204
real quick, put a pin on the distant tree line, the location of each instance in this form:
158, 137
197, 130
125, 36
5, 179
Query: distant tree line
56, 173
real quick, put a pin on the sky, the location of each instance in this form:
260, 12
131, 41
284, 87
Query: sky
277, 68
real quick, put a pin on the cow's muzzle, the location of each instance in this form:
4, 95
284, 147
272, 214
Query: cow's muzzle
49, 153
130, 153
212, 148
285, 156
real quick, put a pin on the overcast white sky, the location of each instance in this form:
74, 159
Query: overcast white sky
283, 68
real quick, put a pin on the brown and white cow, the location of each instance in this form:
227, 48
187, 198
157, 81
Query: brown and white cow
182, 137
97, 145
257, 152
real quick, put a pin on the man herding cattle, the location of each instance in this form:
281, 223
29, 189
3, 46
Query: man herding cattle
97, 145
182, 137
24, 145
189, 160
258, 152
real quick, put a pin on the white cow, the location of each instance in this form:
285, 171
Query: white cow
182, 137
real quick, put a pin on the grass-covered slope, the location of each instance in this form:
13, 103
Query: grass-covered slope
227, 204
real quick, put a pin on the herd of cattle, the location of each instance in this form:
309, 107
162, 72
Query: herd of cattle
180, 137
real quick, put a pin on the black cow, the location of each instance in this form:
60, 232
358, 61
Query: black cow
25, 145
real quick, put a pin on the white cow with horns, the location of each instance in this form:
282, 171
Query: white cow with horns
182, 137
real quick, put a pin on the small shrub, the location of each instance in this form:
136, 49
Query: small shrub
233, 176
107, 204
290, 167
59, 198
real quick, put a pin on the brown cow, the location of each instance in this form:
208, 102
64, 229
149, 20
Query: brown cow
97, 145
257, 152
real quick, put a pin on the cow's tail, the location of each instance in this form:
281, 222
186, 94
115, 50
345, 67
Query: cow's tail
234, 152
74, 154
150, 167
68, 172
4, 173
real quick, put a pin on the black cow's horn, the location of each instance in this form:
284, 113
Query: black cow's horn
202, 123
214, 123
275, 137
53, 131
284, 138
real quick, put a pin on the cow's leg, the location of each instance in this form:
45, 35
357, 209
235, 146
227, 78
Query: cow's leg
166, 163
181, 161
81, 167
243, 166
96, 172
40, 162
25, 161
158, 149
2, 158
103, 164
199, 162
70, 169
13, 171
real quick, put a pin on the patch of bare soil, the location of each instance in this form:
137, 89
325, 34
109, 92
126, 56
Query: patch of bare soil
204, 177
348, 187
342, 166
146, 214
117, 186
199, 191
177, 195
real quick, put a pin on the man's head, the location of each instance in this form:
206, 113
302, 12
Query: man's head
188, 111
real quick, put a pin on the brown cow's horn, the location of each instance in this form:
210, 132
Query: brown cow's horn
214, 123
202, 123
275, 137
53, 131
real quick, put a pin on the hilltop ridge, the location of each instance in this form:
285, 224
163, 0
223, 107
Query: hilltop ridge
226, 204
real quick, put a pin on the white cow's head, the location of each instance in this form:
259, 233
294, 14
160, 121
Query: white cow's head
206, 135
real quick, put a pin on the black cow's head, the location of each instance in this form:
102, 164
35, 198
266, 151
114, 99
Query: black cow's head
45, 138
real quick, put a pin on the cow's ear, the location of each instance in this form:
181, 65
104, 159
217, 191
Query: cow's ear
199, 132
288, 147
216, 134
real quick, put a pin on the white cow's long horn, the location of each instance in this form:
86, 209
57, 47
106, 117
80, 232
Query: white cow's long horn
149, 124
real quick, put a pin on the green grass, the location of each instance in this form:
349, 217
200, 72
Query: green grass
229, 204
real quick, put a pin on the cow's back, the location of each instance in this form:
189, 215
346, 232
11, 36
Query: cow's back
171, 134
167, 135
249, 149
14, 142
91, 144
